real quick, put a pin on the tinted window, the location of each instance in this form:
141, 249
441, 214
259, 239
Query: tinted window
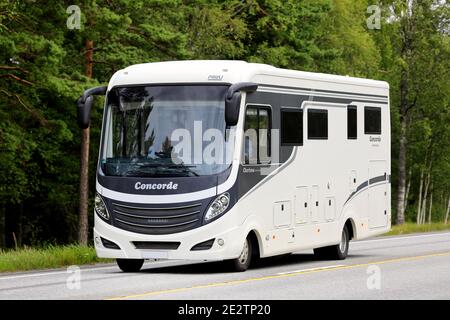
372, 120
257, 135
291, 127
317, 124
352, 124
263, 136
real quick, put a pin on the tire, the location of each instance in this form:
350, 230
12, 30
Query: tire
130, 265
336, 252
242, 262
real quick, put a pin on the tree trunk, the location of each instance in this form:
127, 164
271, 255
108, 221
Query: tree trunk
431, 205
425, 196
83, 227
19, 240
447, 212
401, 174
419, 206
84, 189
405, 205
422, 214
89, 58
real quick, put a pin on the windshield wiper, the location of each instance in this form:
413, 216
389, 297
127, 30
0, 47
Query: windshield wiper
185, 167
158, 169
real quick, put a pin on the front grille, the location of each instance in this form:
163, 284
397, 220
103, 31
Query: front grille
156, 245
153, 219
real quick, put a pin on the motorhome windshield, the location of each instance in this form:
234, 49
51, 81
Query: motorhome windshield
165, 131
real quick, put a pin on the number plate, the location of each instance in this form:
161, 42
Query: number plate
155, 254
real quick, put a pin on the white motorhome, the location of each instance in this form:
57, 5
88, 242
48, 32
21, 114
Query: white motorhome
306, 162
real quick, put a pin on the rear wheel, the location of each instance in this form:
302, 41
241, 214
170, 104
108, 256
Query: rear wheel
130, 265
243, 261
336, 252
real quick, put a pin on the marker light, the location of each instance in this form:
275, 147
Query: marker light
219, 205
100, 207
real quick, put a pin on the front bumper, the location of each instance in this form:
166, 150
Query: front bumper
233, 236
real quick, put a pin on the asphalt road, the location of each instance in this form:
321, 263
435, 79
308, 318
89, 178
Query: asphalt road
401, 267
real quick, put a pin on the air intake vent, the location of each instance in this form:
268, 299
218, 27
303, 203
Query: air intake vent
206, 245
156, 245
109, 244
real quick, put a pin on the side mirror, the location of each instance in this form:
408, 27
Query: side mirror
84, 105
84, 112
232, 109
233, 100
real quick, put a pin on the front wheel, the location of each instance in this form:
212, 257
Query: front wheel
130, 265
243, 261
336, 252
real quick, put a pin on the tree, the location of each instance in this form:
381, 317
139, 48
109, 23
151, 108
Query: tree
35, 139
44, 70
345, 34
412, 30
284, 33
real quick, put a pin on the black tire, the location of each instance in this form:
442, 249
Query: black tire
336, 252
242, 262
130, 265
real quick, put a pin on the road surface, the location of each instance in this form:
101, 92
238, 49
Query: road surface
400, 267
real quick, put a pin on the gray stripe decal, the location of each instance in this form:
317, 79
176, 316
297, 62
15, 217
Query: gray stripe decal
367, 183
323, 91
377, 179
312, 97
272, 174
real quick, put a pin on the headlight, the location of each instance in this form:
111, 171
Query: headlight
219, 205
100, 207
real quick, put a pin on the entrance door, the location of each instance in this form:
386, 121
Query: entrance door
378, 199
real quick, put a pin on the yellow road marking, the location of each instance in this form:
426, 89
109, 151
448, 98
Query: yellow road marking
277, 276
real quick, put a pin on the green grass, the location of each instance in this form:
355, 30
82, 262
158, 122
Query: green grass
47, 258
411, 227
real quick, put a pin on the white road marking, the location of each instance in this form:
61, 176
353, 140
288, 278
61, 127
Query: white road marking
43, 274
51, 273
312, 269
402, 237
82, 270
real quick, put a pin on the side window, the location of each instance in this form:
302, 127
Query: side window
317, 124
292, 127
257, 135
352, 122
372, 120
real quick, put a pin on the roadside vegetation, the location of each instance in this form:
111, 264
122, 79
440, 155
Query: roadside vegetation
47, 257
50, 257
412, 227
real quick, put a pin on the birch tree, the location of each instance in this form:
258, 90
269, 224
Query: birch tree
417, 45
